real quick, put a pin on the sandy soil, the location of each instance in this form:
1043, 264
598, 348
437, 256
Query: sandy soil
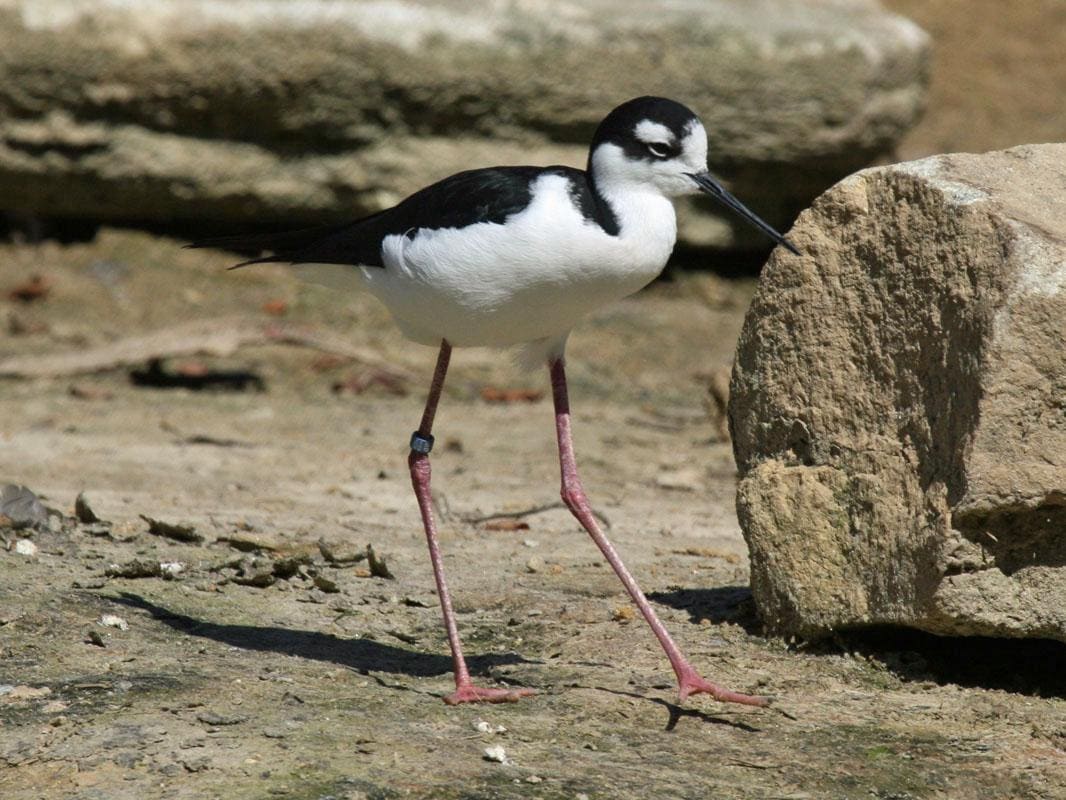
327, 682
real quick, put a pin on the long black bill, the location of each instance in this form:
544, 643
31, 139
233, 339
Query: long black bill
709, 185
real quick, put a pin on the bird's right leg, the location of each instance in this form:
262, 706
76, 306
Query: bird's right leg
418, 462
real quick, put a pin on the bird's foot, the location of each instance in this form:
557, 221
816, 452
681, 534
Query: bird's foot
689, 682
468, 693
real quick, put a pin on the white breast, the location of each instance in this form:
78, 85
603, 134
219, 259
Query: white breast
531, 278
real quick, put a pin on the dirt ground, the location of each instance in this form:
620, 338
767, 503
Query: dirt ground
266, 669
272, 663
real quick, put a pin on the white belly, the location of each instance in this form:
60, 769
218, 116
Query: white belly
532, 278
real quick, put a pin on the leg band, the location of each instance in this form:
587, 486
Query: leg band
421, 443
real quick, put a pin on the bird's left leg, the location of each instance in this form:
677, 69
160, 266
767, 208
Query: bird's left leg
688, 680
418, 462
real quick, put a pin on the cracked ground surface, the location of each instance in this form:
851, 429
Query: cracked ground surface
275, 664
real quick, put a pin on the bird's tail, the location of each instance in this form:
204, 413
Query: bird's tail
307, 245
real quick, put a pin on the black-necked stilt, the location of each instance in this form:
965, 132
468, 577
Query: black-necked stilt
517, 256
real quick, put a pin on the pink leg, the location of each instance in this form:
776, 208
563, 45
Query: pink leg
689, 681
418, 462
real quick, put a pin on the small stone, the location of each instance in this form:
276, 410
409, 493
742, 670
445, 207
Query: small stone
24, 547
497, 754
535, 564
137, 568
96, 639
534, 779
113, 621
530, 542
24, 692
250, 541
21, 508
83, 511
197, 764
326, 585
173, 530
211, 718
622, 614
170, 570
488, 727
340, 552
378, 567
254, 571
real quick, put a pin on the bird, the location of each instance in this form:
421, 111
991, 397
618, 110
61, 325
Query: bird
515, 257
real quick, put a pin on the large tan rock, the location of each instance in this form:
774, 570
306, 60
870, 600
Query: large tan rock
899, 403
304, 110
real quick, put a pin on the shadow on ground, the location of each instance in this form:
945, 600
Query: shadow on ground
1025, 666
361, 655
731, 604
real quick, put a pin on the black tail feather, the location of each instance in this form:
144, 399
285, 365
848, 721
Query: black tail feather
278, 243
349, 243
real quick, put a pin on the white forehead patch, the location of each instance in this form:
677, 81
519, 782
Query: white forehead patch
694, 144
651, 132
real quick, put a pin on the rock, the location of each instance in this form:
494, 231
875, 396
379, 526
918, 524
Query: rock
179, 532
303, 112
171, 570
215, 719
84, 512
898, 403
23, 693
137, 568
25, 547
114, 621
21, 508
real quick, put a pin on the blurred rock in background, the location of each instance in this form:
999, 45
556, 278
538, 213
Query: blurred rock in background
191, 113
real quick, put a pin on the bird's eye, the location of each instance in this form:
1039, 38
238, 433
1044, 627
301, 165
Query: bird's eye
658, 149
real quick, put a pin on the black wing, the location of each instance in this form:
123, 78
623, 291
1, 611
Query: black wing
480, 195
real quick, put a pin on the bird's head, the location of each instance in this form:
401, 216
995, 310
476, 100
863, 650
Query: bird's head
656, 144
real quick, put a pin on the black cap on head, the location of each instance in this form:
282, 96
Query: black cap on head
618, 126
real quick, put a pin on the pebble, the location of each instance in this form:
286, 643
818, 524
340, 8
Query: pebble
497, 754
535, 564
113, 621
211, 718
534, 779
24, 547
488, 727
530, 542
24, 692
171, 569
